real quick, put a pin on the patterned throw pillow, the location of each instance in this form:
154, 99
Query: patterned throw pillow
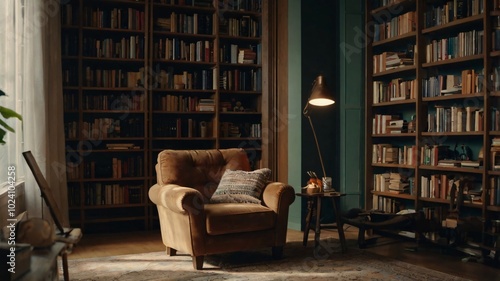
241, 186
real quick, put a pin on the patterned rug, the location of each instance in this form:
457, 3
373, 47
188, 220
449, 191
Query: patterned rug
325, 262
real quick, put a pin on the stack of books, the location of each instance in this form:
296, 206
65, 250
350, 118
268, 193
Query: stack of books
121, 146
397, 127
206, 105
395, 60
246, 55
397, 184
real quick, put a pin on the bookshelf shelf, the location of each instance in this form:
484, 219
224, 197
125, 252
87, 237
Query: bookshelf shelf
402, 71
454, 97
399, 5
452, 169
459, 23
124, 61
398, 135
430, 75
410, 36
462, 134
392, 103
386, 165
453, 61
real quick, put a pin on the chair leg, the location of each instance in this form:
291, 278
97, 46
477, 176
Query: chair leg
198, 262
361, 238
171, 251
277, 252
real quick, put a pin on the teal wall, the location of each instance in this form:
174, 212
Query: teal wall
319, 33
295, 109
351, 56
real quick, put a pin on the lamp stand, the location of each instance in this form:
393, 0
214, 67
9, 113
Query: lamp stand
306, 114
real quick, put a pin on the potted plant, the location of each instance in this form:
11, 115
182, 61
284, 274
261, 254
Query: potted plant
6, 113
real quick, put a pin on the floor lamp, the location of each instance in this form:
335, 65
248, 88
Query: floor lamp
320, 96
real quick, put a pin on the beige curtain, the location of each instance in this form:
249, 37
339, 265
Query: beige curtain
35, 58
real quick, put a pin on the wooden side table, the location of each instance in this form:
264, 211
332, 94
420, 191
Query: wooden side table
314, 209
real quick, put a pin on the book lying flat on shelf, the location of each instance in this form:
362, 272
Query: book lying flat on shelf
449, 163
470, 164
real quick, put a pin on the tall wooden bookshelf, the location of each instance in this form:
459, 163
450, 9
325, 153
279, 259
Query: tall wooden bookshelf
431, 107
143, 76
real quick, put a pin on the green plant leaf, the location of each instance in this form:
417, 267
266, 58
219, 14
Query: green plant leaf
9, 113
2, 134
3, 124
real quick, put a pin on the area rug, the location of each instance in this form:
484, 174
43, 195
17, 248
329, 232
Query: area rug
325, 262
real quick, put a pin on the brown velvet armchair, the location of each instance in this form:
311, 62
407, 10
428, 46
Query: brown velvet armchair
186, 179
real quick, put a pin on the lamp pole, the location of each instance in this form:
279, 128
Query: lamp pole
320, 96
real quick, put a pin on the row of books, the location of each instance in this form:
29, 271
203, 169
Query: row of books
386, 204
241, 5
101, 128
70, 101
495, 39
116, 101
178, 49
180, 103
236, 130
431, 154
96, 194
435, 186
204, 79
464, 44
469, 82
121, 48
494, 191
387, 154
392, 182
390, 60
396, 89
70, 74
69, 44
196, 23
451, 10
399, 25
495, 154
113, 78
114, 168
115, 18
456, 119
495, 78
73, 171
388, 124
495, 119
238, 54
241, 80
240, 27
170, 127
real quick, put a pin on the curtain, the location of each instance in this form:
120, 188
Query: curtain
30, 73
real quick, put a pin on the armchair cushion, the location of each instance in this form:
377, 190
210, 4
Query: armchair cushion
237, 218
241, 186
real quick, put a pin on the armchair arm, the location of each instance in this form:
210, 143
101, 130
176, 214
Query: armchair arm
278, 195
177, 198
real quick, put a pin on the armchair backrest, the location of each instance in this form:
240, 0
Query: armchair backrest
199, 169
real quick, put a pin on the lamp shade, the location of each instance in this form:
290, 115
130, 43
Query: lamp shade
320, 94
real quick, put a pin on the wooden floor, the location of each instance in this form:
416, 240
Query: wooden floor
99, 245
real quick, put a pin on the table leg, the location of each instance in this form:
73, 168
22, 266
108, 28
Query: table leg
318, 224
308, 221
65, 265
340, 227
